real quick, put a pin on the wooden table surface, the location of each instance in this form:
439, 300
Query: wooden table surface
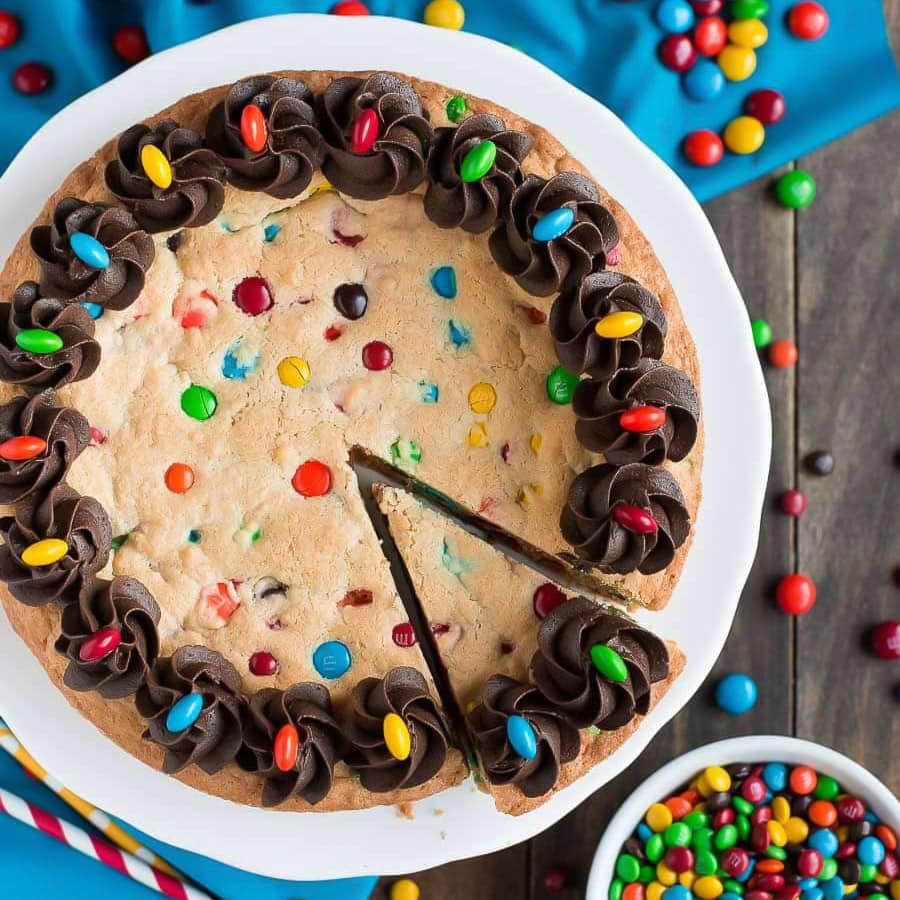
828, 278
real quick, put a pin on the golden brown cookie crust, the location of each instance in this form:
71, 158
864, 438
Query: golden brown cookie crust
39, 627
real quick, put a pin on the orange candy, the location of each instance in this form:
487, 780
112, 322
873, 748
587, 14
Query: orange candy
179, 478
312, 479
887, 837
254, 132
679, 807
634, 891
822, 813
26, 446
691, 796
783, 354
287, 744
769, 866
803, 779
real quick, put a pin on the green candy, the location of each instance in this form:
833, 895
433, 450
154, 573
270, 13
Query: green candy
677, 835
744, 807
118, 541
702, 839
456, 108
867, 873
608, 663
405, 454
39, 340
742, 823
735, 887
826, 788
199, 402
194, 536
776, 853
561, 385
705, 863
795, 190
628, 868
749, 9
726, 837
616, 888
762, 337
696, 819
477, 161
829, 869
655, 848
648, 874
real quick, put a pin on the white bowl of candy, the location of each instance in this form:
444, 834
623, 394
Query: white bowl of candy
848, 797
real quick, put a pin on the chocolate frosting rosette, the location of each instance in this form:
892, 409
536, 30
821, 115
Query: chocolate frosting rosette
110, 638
610, 691
67, 350
378, 136
651, 390
61, 515
474, 206
576, 312
320, 742
285, 152
64, 275
622, 519
556, 740
546, 260
196, 189
43, 440
402, 692
213, 737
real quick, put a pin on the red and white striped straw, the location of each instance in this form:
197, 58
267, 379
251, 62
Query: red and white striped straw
97, 848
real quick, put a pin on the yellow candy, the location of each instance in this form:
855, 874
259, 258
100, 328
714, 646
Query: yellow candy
895, 889
472, 704
776, 832
293, 371
659, 817
737, 63
717, 778
527, 492
851, 888
744, 135
404, 889
45, 552
796, 830
842, 832
705, 788
445, 14
482, 398
781, 810
665, 874
396, 736
535, 442
478, 435
748, 33
323, 186
156, 166
619, 324
708, 887
655, 890
881, 879
687, 878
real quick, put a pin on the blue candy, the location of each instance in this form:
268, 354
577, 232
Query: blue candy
869, 816
703, 81
553, 224
89, 250
736, 694
674, 16
238, 363
184, 712
807, 884
428, 392
870, 851
95, 310
812, 894
775, 775
745, 875
644, 832
521, 737
677, 892
823, 840
729, 896
459, 334
443, 280
331, 659
270, 232
833, 889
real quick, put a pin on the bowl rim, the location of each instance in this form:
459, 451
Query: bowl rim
754, 747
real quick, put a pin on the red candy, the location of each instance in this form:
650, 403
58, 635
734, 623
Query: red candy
766, 105
809, 863
332, 333
770, 882
287, 745
808, 21
31, 78
734, 861
793, 503
753, 789
848, 848
130, 43
556, 880
634, 518
723, 817
796, 594
546, 598
364, 132
707, 7
97, 437
757, 895
783, 354
788, 892
761, 815
9, 29
349, 8
803, 780
377, 356
179, 478
195, 310
703, 147
850, 809
759, 837
252, 296
254, 132
100, 644
710, 36
262, 663
217, 603
889, 866
642, 419
24, 447
679, 859
403, 635
885, 637
312, 479
677, 52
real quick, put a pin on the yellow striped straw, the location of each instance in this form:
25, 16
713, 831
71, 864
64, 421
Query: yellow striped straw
99, 819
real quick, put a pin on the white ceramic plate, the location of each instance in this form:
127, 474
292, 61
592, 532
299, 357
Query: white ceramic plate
738, 439
753, 748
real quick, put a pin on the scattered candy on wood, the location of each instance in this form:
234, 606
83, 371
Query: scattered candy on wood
767, 105
89, 250
796, 594
377, 356
179, 478
293, 372
750, 33
349, 8
561, 384
762, 333
312, 479
642, 419
674, 16
744, 135
885, 639
44, 552
263, 664
364, 132
445, 14
736, 694
704, 81
556, 880
443, 281
793, 502
253, 296
703, 148
737, 63
287, 746
808, 21
99, 644
456, 108
553, 224
199, 402
783, 354
795, 189
609, 663
24, 447
332, 659
404, 889
9, 29
710, 36
396, 736
254, 131
156, 167
31, 78
819, 462
184, 712
130, 43
477, 161
635, 519
521, 737
677, 53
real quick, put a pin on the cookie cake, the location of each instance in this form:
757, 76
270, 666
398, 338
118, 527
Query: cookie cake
236, 308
